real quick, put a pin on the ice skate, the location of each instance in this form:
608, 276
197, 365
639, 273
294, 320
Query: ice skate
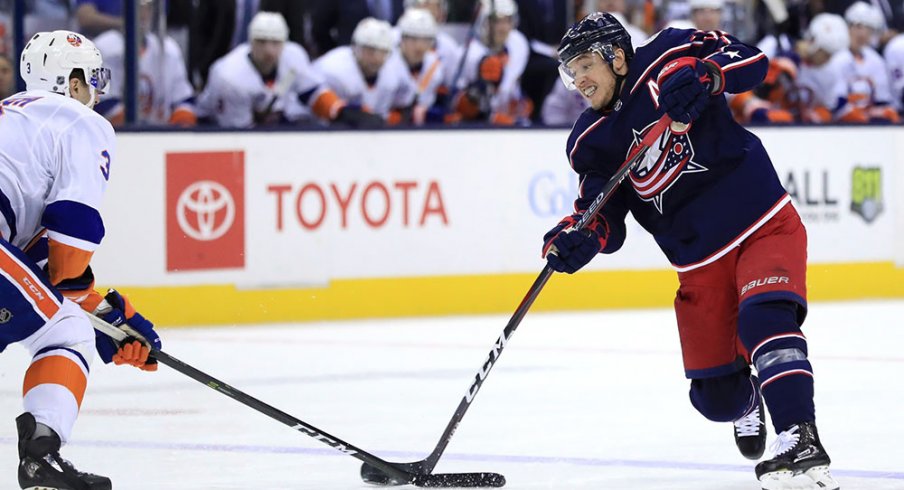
797, 451
750, 430
40, 464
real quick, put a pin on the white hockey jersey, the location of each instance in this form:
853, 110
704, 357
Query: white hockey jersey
518, 49
449, 52
427, 82
894, 60
865, 77
823, 84
162, 78
236, 91
55, 160
394, 87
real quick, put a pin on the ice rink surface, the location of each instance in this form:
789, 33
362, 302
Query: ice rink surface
577, 401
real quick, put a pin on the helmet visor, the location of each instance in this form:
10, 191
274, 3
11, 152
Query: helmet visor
100, 78
582, 64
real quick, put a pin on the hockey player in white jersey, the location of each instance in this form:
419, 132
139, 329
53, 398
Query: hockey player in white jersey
894, 60
446, 47
821, 85
361, 76
56, 156
270, 80
416, 57
490, 84
165, 95
862, 69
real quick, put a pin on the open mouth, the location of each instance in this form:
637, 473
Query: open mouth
589, 91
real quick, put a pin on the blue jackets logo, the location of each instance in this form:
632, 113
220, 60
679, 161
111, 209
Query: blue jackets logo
666, 161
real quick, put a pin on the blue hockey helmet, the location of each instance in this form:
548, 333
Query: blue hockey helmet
599, 32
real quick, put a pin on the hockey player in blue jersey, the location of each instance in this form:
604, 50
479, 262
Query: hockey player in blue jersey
714, 204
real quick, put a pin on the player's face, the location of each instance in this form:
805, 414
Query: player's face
370, 59
265, 53
707, 19
593, 78
7, 81
501, 27
415, 48
861, 36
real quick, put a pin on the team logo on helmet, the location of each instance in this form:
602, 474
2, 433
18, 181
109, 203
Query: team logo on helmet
670, 157
74, 40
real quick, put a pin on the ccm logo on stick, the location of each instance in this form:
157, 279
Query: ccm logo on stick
762, 282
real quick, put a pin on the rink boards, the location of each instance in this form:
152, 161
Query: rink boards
223, 228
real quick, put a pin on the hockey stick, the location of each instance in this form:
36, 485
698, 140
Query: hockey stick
405, 477
372, 474
472, 33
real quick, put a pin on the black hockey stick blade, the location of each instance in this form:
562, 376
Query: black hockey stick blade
422, 478
460, 480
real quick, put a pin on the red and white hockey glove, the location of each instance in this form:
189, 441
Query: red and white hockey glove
567, 250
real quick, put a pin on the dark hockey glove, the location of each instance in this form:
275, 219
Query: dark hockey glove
136, 348
359, 119
567, 250
685, 86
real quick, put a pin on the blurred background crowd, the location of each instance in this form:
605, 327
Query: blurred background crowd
374, 63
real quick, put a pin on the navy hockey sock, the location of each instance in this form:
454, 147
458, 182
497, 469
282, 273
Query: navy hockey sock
778, 349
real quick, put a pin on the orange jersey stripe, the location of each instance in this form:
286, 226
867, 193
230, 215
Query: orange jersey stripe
57, 370
65, 261
428, 77
42, 298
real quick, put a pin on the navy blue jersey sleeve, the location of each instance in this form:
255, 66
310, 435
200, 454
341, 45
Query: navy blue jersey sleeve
585, 157
743, 66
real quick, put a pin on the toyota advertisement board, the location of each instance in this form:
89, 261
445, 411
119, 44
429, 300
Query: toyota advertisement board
301, 210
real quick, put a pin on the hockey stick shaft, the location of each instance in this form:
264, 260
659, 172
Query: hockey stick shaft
472, 33
268, 410
655, 132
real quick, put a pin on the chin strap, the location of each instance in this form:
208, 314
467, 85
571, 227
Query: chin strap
619, 83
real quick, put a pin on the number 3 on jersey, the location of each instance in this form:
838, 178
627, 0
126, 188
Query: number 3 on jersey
105, 167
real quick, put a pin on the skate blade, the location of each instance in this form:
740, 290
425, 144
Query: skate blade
42, 488
819, 479
822, 478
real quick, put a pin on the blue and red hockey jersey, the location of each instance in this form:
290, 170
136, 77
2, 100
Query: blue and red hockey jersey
699, 194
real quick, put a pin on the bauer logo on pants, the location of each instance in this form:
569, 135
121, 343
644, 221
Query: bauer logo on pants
205, 218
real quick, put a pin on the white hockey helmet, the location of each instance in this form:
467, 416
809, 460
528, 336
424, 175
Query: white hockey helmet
498, 8
864, 14
373, 33
417, 22
422, 3
49, 58
829, 33
706, 4
268, 26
